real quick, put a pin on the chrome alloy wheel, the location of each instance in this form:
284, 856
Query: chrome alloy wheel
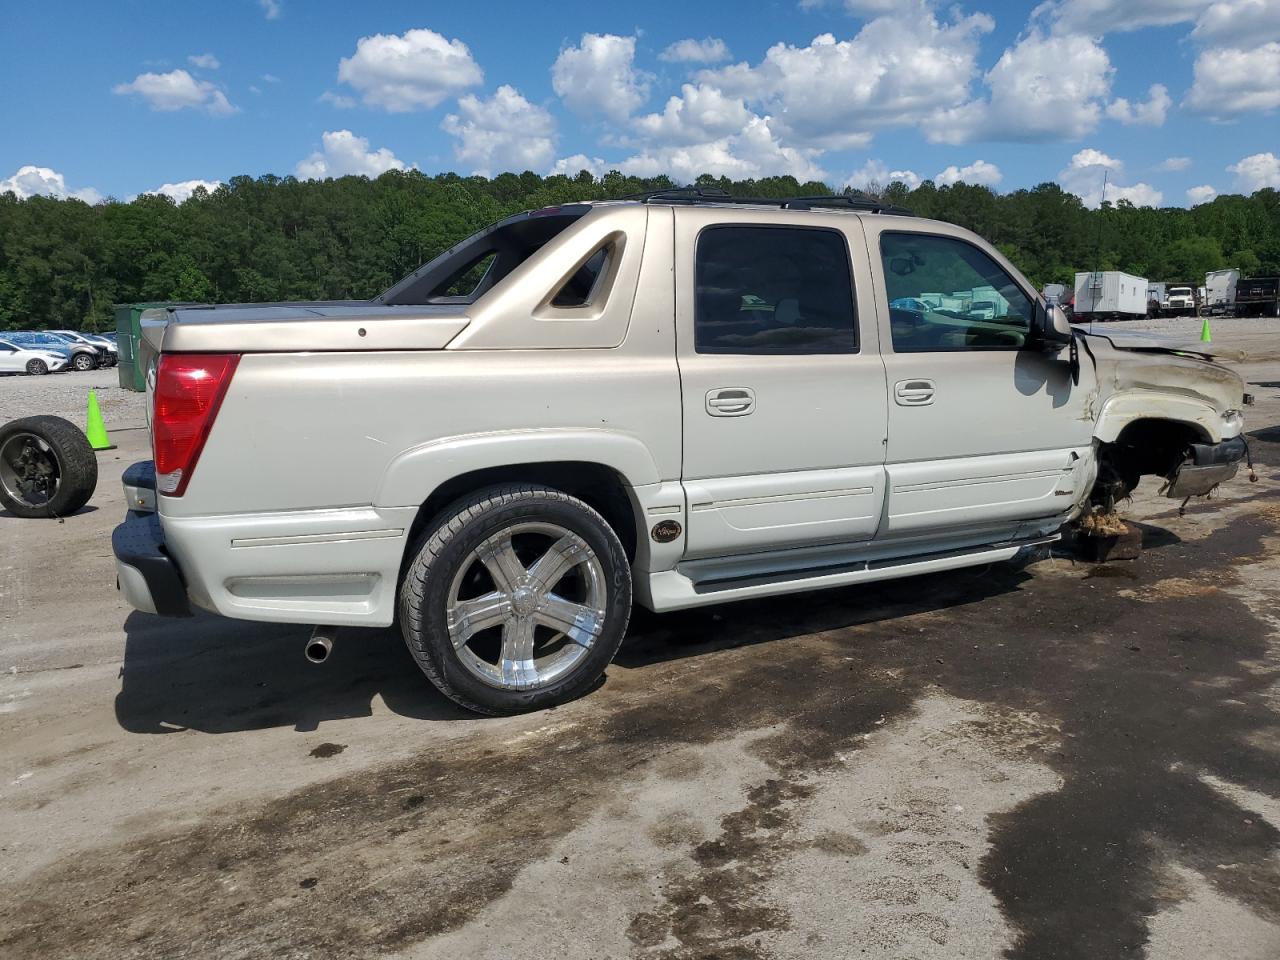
526, 606
29, 469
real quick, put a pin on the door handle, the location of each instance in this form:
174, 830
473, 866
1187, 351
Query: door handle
914, 393
731, 401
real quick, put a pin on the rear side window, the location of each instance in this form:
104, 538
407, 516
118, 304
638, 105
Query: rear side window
773, 290
580, 290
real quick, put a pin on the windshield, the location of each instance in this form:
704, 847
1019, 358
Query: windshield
1180, 292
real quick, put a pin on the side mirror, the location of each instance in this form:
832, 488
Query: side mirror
1053, 330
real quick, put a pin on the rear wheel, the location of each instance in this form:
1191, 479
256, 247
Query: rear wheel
47, 468
517, 599
83, 362
37, 367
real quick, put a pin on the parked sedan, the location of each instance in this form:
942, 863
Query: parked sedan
80, 356
18, 359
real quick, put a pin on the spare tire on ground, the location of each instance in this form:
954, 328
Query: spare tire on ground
47, 468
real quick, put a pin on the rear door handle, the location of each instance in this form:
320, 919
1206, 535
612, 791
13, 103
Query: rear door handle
731, 401
914, 393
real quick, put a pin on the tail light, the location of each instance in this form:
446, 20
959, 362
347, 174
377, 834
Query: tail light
189, 389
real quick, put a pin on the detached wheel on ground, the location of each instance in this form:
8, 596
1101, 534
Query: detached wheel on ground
517, 599
47, 468
37, 368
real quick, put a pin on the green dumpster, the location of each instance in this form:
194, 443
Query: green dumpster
129, 331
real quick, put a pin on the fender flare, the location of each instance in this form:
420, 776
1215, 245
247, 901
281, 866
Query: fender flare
1125, 408
415, 474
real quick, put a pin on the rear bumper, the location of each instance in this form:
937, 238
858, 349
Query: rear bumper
338, 566
1210, 465
147, 576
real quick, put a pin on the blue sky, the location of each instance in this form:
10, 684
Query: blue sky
1167, 96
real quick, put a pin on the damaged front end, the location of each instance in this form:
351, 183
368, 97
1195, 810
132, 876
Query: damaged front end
1169, 411
1205, 466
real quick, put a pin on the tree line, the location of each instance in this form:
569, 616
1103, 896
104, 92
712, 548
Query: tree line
64, 263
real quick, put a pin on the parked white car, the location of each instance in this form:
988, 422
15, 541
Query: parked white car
15, 358
681, 400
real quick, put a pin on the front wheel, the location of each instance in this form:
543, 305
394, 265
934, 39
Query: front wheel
83, 362
517, 599
37, 368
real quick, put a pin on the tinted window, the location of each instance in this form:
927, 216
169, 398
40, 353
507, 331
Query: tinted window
947, 295
579, 290
773, 290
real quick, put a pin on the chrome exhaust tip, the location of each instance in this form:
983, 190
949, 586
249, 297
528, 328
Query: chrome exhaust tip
320, 645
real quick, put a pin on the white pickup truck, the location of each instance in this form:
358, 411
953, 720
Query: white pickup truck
677, 400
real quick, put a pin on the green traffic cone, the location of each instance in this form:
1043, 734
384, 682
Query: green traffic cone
1205, 335
94, 428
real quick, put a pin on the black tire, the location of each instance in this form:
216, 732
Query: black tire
58, 443
37, 367
83, 362
446, 549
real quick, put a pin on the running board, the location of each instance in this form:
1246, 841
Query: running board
672, 590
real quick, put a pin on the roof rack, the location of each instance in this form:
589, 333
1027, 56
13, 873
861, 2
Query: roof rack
697, 195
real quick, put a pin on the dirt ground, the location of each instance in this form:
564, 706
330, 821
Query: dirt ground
1037, 760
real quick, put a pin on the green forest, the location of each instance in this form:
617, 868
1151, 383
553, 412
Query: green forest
64, 263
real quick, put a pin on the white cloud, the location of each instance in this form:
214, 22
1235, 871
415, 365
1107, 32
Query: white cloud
572, 166
1096, 18
1041, 89
978, 173
1173, 164
874, 173
1083, 177
1257, 171
181, 192
32, 181
505, 133
339, 100
205, 61
1230, 81
700, 113
410, 72
598, 78
708, 50
270, 9
1200, 194
343, 154
833, 93
874, 8
1151, 113
177, 90
750, 153
1239, 23
270, 78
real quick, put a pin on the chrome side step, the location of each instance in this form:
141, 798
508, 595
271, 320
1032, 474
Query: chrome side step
672, 590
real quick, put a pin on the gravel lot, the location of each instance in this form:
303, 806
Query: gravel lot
1033, 760
66, 395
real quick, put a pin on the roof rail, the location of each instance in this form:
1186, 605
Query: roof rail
854, 202
696, 195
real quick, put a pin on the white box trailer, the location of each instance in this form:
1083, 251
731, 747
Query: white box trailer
1110, 294
1220, 290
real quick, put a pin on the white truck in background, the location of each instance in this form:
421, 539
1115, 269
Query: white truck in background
1110, 295
1180, 300
1220, 290
1170, 300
